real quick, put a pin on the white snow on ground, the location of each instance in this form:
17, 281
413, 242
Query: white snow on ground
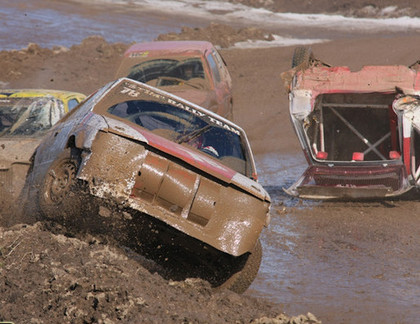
278, 42
156, 17
221, 10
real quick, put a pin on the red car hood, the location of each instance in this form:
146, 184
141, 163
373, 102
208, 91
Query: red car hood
199, 97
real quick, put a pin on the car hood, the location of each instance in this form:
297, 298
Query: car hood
16, 150
199, 97
190, 156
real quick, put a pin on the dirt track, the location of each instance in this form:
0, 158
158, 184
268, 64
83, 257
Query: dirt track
366, 254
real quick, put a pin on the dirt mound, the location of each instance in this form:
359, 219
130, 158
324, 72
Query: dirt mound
219, 34
53, 278
82, 68
89, 65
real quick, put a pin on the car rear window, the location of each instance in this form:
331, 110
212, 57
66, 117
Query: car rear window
184, 69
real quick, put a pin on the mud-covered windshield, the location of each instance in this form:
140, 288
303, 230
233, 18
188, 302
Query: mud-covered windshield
28, 116
197, 130
170, 72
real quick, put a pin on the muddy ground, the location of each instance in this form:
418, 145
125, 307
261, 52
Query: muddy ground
53, 278
48, 277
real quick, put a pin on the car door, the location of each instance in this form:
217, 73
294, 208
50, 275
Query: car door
407, 109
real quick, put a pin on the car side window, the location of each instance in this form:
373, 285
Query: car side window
214, 67
72, 103
222, 65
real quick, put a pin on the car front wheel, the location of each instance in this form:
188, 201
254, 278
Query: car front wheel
56, 197
242, 279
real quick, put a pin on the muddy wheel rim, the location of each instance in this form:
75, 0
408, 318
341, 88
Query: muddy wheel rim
61, 180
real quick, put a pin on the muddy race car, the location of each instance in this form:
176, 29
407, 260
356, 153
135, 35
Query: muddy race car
25, 116
193, 70
359, 130
161, 175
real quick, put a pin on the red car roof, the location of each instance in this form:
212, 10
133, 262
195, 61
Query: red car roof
159, 47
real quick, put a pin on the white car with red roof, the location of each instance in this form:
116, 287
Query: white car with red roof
162, 175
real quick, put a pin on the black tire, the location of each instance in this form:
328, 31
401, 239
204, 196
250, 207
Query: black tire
301, 55
241, 280
56, 197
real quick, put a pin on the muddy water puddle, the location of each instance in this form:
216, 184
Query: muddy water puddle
52, 23
346, 262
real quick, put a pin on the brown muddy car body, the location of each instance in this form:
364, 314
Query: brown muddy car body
160, 173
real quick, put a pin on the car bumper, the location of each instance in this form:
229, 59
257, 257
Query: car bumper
191, 201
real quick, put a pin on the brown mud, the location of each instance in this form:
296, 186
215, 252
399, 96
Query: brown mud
54, 278
344, 262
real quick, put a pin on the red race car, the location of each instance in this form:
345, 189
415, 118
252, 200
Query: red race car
193, 70
359, 130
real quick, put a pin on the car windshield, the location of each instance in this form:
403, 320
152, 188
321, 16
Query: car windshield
170, 72
28, 116
192, 128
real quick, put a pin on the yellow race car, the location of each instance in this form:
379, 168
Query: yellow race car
25, 116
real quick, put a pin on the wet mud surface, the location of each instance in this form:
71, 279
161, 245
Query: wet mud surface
345, 262
338, 258
44, 20
355, 259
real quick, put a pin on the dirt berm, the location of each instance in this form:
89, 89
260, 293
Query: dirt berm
53, 278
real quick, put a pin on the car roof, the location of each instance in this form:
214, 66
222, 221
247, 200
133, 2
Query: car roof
173, 47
